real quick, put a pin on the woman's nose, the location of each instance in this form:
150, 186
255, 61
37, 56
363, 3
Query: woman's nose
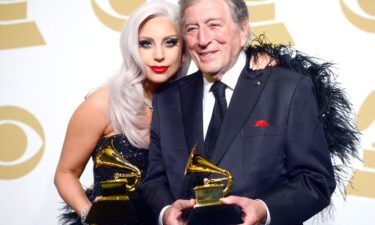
159, 54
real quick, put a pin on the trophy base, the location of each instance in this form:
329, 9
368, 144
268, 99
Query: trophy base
215, 215
111, 212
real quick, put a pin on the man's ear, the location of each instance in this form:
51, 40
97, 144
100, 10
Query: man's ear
245, 31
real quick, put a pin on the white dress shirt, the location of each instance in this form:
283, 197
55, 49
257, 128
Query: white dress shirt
230, 80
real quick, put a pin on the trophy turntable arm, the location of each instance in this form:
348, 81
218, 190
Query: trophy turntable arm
228, 178
120, 177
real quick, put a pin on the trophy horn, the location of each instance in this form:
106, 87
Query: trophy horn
109, 156
198, 164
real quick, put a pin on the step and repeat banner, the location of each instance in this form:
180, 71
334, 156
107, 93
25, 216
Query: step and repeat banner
52, 53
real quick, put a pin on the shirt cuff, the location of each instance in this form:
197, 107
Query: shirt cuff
160, 220
268, 221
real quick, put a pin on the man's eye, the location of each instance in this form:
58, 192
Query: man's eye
190, 29
214, 25
145, 44
171, 42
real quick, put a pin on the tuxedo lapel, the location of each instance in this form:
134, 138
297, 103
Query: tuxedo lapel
245, 96
191, 95
191, 106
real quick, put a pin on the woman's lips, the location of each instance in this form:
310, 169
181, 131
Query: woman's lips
159, 69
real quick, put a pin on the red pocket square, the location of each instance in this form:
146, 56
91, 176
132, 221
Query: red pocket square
262, 123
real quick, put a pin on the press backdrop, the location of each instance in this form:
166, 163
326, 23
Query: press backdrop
52, 53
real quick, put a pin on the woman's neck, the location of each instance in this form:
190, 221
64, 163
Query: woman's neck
149, 89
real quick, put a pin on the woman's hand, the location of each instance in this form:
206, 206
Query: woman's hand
261, 61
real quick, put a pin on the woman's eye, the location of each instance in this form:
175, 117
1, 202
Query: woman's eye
171, 42
145, 44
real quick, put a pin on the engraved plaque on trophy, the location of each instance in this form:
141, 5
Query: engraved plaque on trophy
208, 208
115, 205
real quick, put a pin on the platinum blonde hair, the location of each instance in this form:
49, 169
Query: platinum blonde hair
126, 102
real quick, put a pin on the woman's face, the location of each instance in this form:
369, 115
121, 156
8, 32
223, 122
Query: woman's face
160, 47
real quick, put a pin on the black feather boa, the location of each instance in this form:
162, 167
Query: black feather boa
335, 110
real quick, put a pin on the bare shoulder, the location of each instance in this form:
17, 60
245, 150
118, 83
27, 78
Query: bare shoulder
92, 113
99, 99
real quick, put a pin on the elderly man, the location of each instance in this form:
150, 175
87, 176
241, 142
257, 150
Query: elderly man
262, 126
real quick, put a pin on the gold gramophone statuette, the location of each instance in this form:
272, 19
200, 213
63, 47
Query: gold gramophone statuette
115, 206
208, 209
109, 156
212, 189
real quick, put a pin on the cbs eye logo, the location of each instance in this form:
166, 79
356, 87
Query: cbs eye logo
122, 8
364, 18
22, 142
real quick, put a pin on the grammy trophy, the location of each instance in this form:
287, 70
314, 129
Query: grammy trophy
208, 209
114, 206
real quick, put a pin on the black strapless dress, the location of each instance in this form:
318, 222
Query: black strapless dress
135, 156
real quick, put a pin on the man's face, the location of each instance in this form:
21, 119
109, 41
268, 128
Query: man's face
213, 39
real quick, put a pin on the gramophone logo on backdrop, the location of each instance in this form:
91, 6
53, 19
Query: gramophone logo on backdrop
15, 30
120, 7
18, 155
366, 21
262, 19
363, 181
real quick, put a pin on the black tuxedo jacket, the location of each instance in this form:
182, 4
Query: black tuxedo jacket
271, 141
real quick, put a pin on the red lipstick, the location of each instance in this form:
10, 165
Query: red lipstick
159, 69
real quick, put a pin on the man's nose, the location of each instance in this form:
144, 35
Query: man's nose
158, 54
204, 37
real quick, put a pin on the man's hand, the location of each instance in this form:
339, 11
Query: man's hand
173, 215
254, 212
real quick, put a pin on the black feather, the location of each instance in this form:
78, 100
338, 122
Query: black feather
335, 110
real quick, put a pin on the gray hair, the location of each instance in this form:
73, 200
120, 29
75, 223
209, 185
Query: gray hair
238, 10
126, 102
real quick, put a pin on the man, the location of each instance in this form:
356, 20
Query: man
270, 137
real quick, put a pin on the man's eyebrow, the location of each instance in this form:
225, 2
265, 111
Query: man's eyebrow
213, 19
216, 19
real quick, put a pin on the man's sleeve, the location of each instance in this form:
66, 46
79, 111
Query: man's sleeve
309, 168
155, 186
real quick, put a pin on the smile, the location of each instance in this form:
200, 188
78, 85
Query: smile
159, 69
207, 55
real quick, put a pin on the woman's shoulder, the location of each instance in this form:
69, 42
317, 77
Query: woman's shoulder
92, 113
99, 96
97, 100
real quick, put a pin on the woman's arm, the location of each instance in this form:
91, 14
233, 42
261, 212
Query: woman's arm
88, 123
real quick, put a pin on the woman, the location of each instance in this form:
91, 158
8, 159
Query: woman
120, 111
